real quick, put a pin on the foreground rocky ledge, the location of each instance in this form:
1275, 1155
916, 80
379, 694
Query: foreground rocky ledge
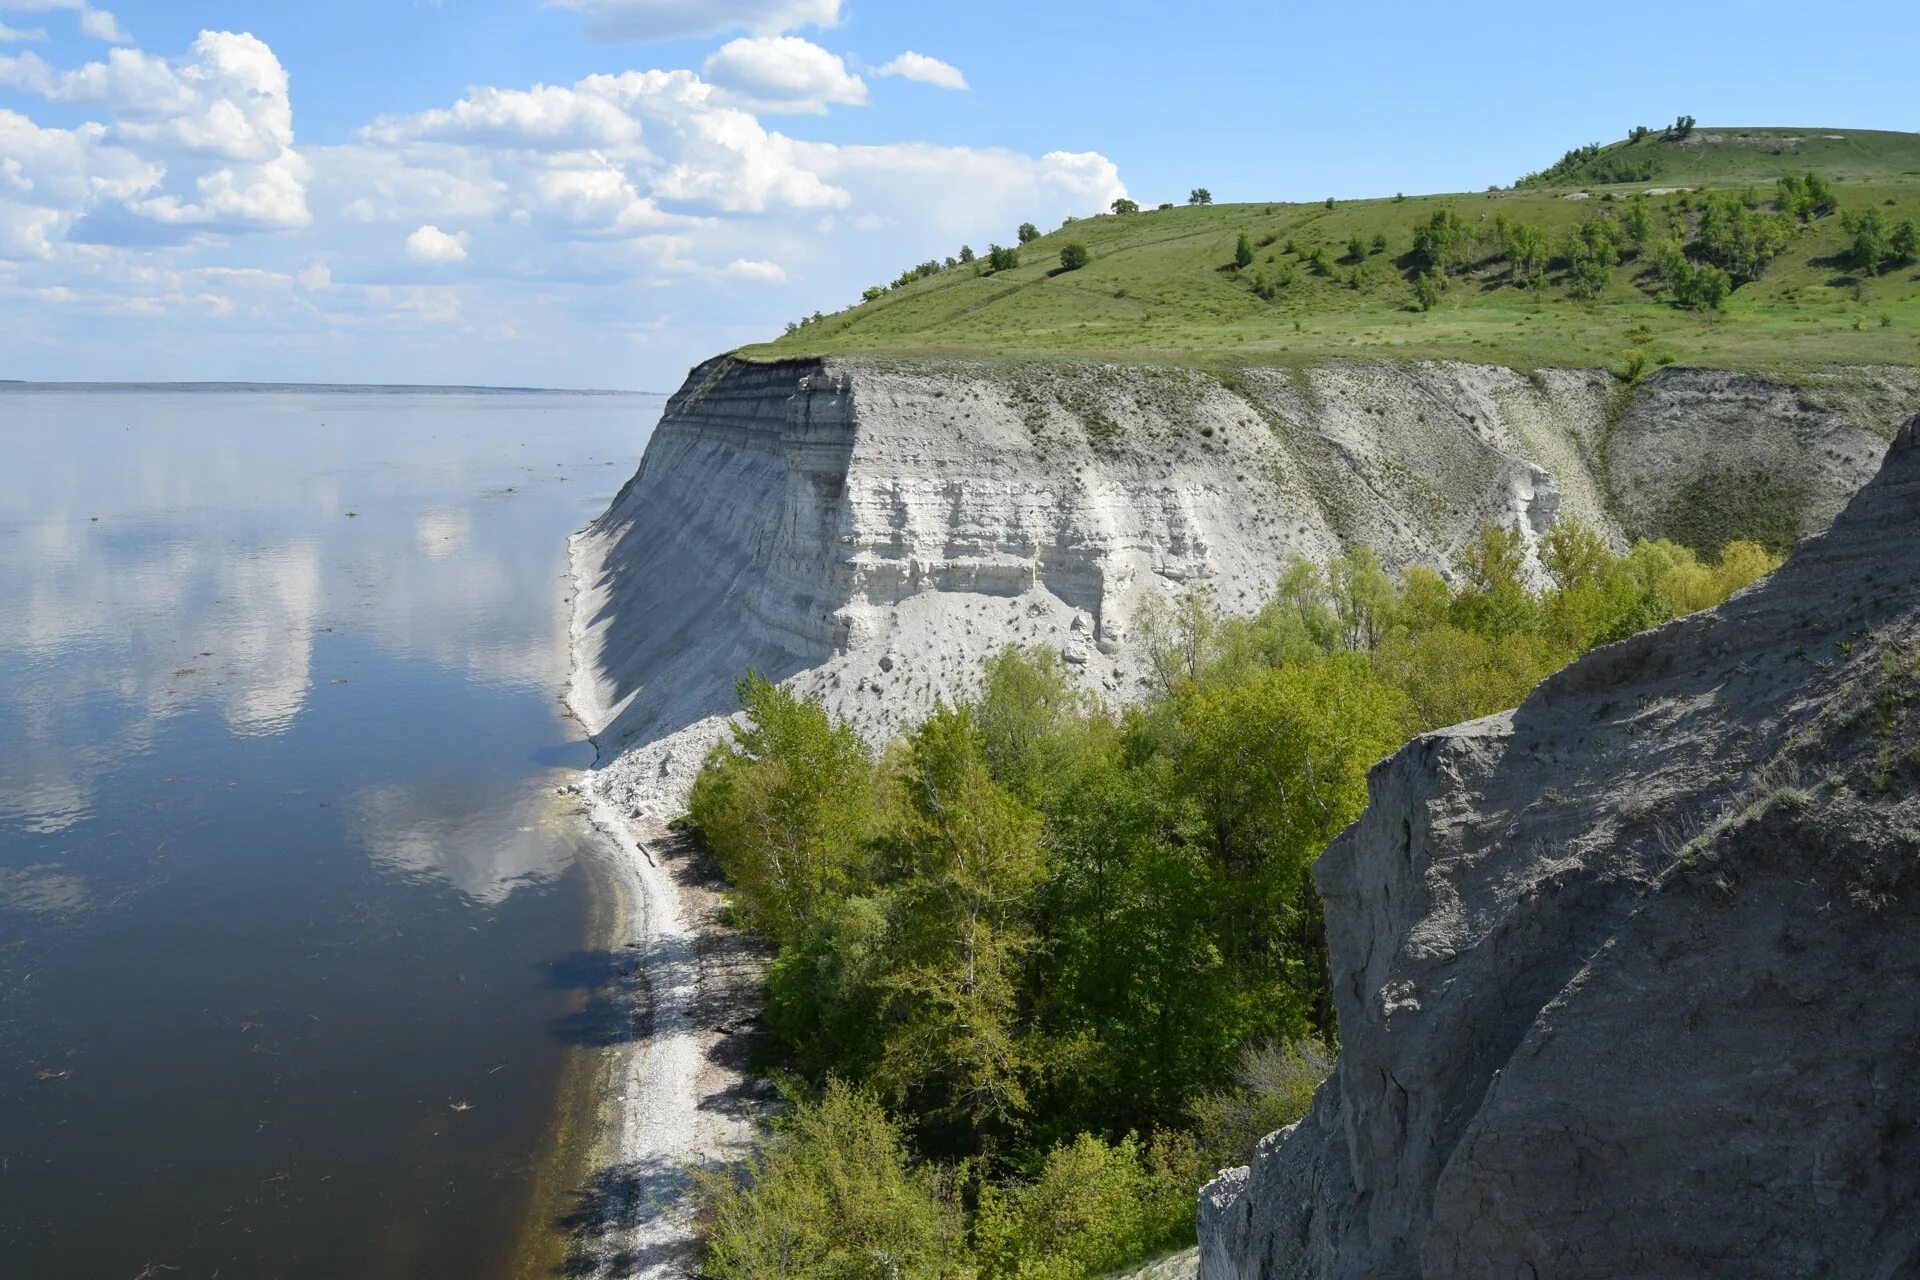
1629, 979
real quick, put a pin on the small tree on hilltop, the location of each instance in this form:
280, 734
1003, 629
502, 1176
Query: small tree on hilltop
1074, 257
1000, 258
1124, 206
966, 253
1028, 233
1243, 252
1200, 195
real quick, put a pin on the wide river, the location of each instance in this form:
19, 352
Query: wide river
296, 960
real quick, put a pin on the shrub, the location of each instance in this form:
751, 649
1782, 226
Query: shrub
1272, 1088
1426, 291
831, 1197
1243, 252
1000, 258
1904, 242
1028, 233
1093, 1209
1074, 256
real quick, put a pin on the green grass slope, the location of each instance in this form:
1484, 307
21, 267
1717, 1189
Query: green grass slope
1162, 286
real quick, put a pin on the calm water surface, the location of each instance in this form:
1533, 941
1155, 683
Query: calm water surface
289, 908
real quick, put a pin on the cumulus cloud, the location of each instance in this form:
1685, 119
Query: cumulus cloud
609, 213
919, 67
434, 247
747, 269
16, 35
95, 24
643, 20
213, 131
784, 75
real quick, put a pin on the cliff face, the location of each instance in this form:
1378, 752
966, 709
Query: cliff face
873, 531
1626, 978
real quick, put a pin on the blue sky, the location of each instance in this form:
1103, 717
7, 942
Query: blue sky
601, 192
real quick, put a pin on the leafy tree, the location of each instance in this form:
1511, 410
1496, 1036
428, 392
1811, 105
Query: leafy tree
1124, 206
1000, 258
1074, 256
1243, 252
1426, 291
1200, 195
1903, 243
966, 253
1592, 251
785, 805
872, 292
1093, 1209
1438, 242
1868, 246
1637, 133
1639, 221
971, 858
1379, 242
1028, 233
831, 1196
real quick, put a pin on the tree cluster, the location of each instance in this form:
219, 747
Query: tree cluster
1047, 964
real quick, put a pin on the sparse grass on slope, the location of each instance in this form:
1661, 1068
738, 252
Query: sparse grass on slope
1162, 285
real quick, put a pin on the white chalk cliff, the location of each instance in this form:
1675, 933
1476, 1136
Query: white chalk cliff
871, 531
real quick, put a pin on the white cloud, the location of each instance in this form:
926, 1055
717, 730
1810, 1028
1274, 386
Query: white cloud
215, 128
784, 75
434, 247
919, 67
95, 24
746, 269
643, 20
16, 35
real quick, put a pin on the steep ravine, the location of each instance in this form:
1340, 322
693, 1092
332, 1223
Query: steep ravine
1626, 978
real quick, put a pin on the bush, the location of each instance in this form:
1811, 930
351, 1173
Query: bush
831, 1197
1426, 291
1243, 252
1272, 1088
1093, 1209
1074, 256
1124, 206
1000, 258
1028, 233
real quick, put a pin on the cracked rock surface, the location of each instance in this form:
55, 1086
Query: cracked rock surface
1628, 979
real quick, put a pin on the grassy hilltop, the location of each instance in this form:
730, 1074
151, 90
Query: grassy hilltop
1606, 257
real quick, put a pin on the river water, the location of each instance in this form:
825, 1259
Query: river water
294, 924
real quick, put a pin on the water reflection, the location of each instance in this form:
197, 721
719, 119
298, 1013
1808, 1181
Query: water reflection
282, 862
483, 843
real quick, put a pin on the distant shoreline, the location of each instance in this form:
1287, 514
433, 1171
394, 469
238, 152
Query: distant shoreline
313, 388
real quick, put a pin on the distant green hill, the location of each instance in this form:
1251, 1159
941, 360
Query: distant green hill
1163, 285
1738, 155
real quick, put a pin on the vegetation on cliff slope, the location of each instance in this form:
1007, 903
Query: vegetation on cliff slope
1711, 260
1044, 965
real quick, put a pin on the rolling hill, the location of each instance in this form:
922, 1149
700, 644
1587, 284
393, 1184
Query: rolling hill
1327, 280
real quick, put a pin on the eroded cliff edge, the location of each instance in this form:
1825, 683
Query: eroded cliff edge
872, 530
1626, 978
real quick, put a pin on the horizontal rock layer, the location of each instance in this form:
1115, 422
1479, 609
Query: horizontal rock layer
873, 531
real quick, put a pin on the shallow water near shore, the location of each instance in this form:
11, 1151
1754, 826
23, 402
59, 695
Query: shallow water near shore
294, 923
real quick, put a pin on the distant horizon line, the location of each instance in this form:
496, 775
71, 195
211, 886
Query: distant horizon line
400, 387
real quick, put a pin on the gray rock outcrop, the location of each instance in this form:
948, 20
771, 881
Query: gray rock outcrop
1628, 979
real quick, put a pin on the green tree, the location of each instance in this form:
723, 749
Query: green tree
1028, 233
787, 808
1093, 1209
1439, 241
831, 1196
971, 858
1000, 258
1243, 252
966, 253
1639, 221
1426, 291
1200, 195
1904, 242
1124, 206
1074, 256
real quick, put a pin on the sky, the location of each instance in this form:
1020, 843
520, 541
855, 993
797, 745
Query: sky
600, 193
